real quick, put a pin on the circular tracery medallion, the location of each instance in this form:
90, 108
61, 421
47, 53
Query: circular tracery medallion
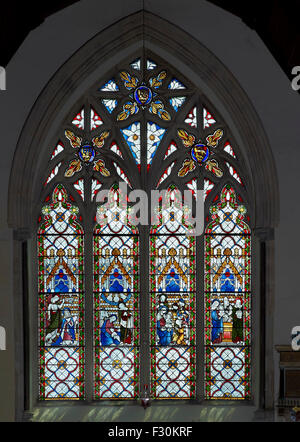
86, 153
200, 153
143, 95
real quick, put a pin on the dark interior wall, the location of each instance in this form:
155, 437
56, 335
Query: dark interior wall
277, 24
275, 21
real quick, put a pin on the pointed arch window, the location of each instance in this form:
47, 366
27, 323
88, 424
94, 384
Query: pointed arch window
138, 306
61, 299
173, 296
227, 299
116, 302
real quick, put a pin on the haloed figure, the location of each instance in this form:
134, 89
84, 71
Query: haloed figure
126, 323
217, 323
67, 334
164, 326
109, 333
237, 321
55, 318
181, 320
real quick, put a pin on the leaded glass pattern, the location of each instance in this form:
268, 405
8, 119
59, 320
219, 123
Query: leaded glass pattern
148, 126
116, 302
61, 300
172, 301
227, 300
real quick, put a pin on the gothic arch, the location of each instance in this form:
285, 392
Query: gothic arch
80, 71
76, 73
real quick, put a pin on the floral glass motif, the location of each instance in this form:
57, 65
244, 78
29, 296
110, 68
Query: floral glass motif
191, 117
88, 141
227, 300
78, 120
96, 120
208, 186
61, 300
132, 135
155, 134
200, 153
208, 119
172, 303
116, 302
79, 187
143, 96
96, 186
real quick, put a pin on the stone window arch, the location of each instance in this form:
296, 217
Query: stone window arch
256, 168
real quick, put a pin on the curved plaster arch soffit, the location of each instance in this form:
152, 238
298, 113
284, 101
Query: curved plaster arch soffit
145, 27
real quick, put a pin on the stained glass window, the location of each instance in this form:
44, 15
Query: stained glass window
147, 126
227, 300
172, 288
116, 302
61, 300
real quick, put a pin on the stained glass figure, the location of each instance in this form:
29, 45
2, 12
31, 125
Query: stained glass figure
143, 96
172, 303
227, 300
116, 301
61, 300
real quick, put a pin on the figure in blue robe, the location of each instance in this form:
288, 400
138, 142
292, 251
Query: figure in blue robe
172, 282
164, 331
217, 325
116, 281
61, 282
109, 335
227, 282
67, 330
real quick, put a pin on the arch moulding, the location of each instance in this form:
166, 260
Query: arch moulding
144, 28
